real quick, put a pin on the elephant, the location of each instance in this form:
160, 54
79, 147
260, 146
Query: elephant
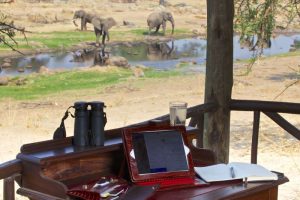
160, 51
158, 18
100, 56
101, 27
82, 55
85, 18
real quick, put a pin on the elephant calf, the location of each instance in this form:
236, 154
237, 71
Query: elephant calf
158, 18
85, 18
101, 27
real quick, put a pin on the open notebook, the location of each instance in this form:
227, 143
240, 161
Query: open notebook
235, 170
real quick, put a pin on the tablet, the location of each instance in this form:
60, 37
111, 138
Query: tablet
157, 153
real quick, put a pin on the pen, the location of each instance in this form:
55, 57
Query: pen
232, 172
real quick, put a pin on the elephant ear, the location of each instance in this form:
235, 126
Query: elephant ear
96, 21
110, 22
76, 15
164, 15
79, 13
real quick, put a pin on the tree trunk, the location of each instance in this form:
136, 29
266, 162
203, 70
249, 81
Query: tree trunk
219, 76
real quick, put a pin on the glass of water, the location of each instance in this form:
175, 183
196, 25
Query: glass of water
178, 113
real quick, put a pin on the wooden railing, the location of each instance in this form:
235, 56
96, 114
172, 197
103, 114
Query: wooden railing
11, 170
270, 109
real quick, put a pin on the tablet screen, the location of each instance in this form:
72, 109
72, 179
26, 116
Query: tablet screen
159, 152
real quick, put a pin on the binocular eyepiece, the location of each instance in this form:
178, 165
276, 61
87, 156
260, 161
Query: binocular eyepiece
90, 120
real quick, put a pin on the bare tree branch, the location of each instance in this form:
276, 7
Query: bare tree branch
12, 47
8, 31
287, 87
297, 72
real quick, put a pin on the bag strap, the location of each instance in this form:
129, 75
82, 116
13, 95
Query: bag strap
104, 119
60, 132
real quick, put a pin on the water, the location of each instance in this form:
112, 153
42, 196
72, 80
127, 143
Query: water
56, 60
280, 44
162, 55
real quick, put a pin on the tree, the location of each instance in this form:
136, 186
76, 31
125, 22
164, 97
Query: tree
254, 19
8, 31
219, 75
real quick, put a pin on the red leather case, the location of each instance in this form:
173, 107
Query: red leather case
85, 195
167, 179
93, 193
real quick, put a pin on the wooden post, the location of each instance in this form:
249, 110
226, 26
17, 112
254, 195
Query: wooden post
199, 123
200, 126
9, 188
254, 144
219, 76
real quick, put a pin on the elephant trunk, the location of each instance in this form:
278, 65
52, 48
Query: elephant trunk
75, 16
74, 19
74, 22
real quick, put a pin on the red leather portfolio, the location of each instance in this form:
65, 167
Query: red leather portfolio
159, 155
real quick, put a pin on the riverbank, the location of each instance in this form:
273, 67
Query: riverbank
75, 40
47, 83
160, 54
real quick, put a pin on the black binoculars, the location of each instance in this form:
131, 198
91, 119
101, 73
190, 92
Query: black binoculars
89, 123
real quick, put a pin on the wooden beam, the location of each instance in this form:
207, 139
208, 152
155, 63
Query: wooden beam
278, 119
219, 76
32, 194
193, 122
200, 126
10, 168
265, 106
193, 111
202, 157
198, 121
254, 144
202, 108
9, 188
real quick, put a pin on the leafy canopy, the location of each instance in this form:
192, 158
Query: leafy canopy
256, 20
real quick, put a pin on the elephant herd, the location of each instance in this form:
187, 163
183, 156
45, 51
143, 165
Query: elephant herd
102, 25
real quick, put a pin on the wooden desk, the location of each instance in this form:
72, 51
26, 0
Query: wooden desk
234, 191
52, 167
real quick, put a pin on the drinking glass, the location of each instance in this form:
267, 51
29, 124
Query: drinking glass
178, 113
